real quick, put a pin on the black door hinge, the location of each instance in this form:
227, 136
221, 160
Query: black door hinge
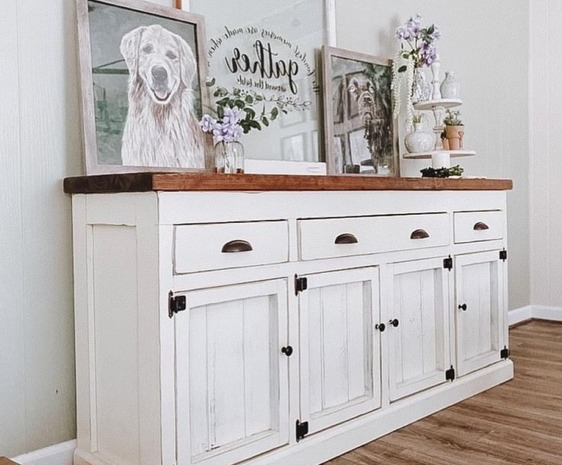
504, 353
302, 429
450, 374
503, 255
301, 284
176, 304
448, 263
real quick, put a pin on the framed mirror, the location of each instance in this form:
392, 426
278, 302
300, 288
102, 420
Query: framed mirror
268, 53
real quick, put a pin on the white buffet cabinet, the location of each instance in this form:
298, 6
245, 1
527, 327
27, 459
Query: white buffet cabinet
264, 327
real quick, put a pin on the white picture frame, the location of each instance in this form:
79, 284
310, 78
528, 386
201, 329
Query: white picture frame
110, 33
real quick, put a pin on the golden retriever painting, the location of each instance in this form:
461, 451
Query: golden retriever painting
161, 128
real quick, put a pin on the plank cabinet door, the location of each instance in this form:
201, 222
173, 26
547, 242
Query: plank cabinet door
418, 326
479, 310
339, 349
231, 376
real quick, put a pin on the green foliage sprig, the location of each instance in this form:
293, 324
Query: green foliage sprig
453, 118
430, 172
253, 105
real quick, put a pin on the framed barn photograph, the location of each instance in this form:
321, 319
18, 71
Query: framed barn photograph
361, 135
142, 72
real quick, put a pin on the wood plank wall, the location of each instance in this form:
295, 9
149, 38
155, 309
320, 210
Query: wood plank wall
40, 144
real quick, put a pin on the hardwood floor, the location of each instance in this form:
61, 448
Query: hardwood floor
519, 422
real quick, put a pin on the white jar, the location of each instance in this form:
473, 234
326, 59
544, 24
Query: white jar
419, 140
450, 87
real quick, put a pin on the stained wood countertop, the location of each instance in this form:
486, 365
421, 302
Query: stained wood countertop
167, 181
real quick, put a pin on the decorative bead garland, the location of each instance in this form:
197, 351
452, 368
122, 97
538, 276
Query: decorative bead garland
398, 84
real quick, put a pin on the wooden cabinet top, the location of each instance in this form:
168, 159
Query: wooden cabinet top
153, 181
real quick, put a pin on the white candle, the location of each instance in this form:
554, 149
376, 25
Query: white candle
440, 160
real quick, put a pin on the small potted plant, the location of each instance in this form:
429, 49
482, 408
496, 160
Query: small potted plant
454, 130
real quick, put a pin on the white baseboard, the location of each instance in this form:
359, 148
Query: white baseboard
519, 314
540, 312
59, 454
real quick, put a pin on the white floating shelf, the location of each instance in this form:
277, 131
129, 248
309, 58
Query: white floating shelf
427, 155
443, 103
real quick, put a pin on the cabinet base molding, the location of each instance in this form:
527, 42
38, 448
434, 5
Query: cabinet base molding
326, 445
336, 441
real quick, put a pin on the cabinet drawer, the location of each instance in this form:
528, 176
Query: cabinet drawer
340, 237
201, 247
478, 226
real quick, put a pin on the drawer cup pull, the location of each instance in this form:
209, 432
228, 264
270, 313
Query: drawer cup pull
419, 234
237, 245
346, 238
480, 226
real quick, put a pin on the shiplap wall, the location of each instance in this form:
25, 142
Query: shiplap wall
39, 145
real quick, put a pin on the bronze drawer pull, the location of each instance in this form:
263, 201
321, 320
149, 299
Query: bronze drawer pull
481, 226
419, 234
237, 245
346, 238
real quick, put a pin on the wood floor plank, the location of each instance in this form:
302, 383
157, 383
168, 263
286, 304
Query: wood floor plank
519, 422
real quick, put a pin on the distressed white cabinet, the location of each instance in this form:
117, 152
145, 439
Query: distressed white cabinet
339, 351
277, 326
232, 379
479, 309
418, 327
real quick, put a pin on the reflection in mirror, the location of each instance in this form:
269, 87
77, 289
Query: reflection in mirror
263, 55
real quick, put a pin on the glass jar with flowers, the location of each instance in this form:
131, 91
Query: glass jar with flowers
417, 51
238, 111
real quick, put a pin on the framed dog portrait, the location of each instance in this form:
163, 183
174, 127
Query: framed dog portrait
143, 69
361, 133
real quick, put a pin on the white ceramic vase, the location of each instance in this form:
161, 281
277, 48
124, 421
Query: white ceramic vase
450, 87
419, 140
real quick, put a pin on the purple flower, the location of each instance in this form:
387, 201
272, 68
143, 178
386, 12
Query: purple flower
428, 53
207, 123
232, 115
419, 41
228, 129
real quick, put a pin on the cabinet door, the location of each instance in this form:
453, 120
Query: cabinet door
418, 326
340, 361
231, 376
479, 310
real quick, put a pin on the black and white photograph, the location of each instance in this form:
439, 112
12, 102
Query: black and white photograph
143, 64
358, 111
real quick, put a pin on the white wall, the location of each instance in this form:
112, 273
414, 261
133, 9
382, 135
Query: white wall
545, 153
40, 144
486, 44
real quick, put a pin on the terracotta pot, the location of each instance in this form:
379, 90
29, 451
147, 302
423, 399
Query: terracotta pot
454, 136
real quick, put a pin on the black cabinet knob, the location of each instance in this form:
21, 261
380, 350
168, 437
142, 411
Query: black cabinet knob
394, 322
463, 307
381, 327
288, 351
